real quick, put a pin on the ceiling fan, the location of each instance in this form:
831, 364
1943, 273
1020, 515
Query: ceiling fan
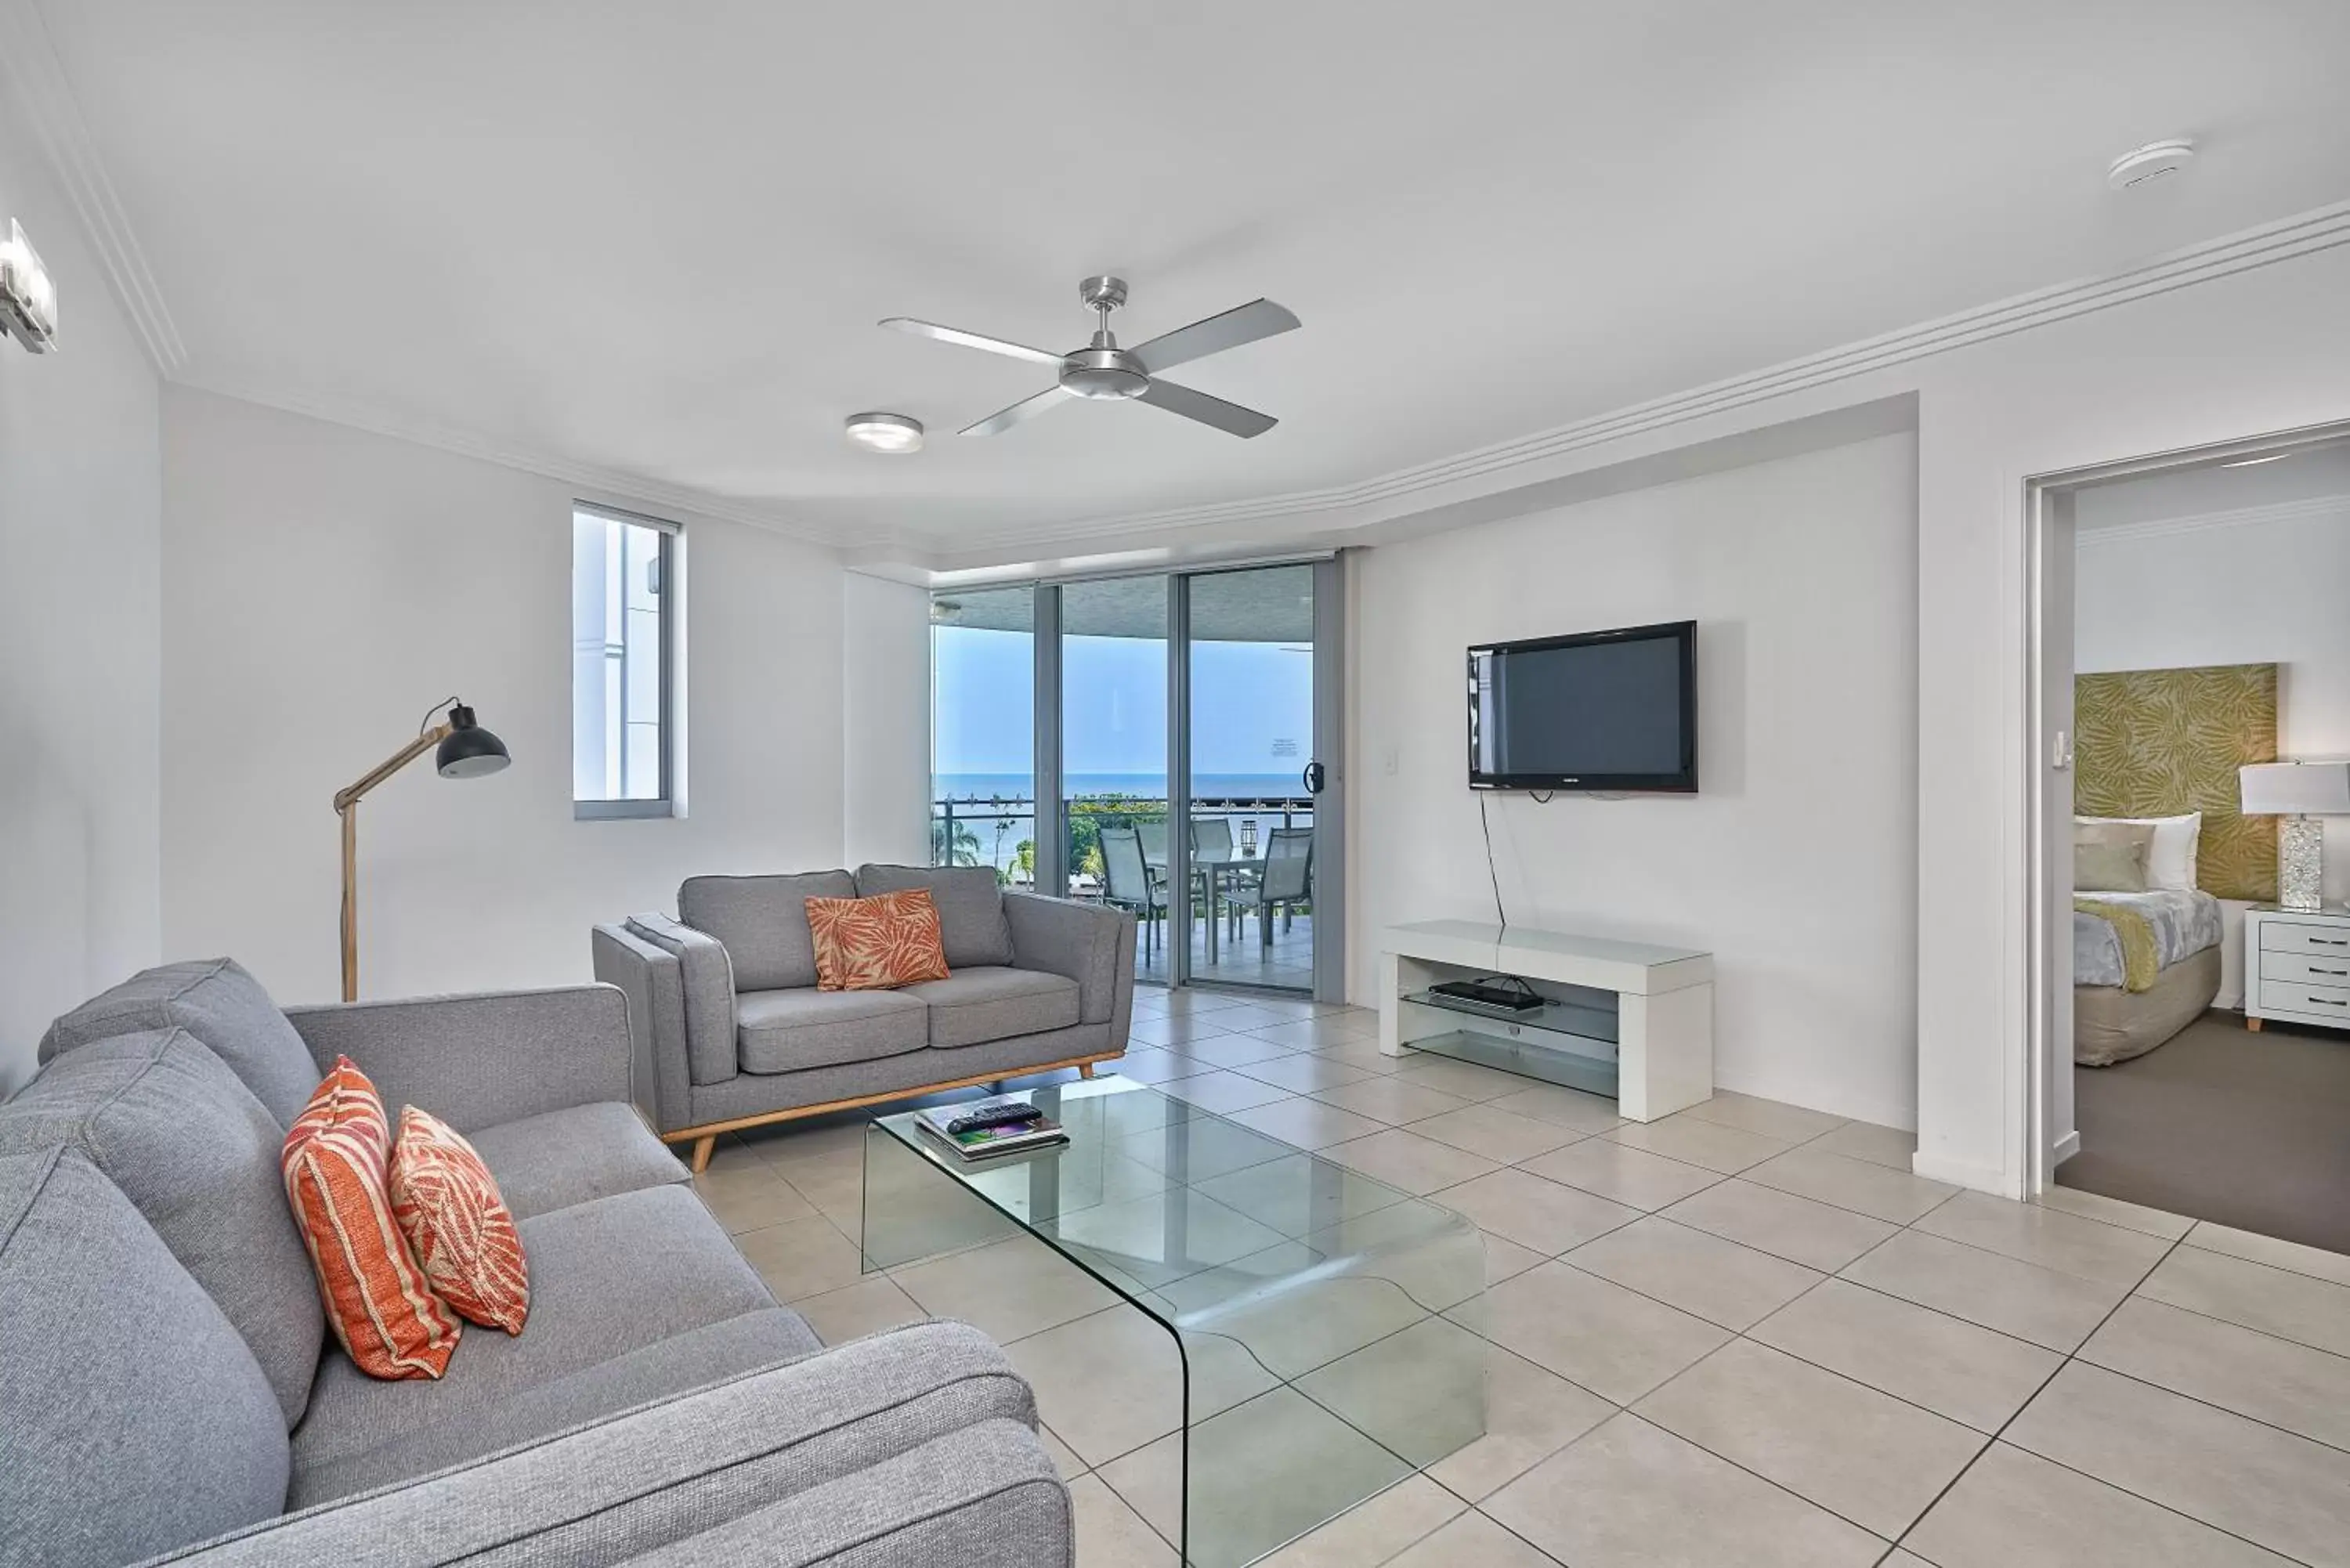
1103, 369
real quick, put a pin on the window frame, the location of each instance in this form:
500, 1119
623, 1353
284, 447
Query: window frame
665, 804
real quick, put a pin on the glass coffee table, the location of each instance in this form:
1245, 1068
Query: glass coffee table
1327, 1327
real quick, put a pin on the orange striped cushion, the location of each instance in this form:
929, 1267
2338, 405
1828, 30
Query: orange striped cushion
378, 1301
874, 944
447, 1205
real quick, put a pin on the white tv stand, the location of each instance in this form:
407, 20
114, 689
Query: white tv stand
1624, 1019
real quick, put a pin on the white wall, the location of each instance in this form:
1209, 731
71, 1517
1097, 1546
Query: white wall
2242, 593
324, 585
1795, 863
886, 685
78, 649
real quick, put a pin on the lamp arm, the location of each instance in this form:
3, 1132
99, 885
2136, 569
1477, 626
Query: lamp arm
346, 798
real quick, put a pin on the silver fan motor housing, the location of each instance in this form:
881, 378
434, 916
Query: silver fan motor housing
1103, 373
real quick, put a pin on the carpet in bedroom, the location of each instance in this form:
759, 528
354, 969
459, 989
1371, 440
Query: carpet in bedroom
2243, 1129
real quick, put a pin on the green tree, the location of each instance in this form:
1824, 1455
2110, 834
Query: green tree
1086, 815
953, 844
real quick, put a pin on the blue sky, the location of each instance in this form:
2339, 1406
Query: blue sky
1247, 700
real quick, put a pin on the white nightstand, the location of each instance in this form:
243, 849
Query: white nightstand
2297, 966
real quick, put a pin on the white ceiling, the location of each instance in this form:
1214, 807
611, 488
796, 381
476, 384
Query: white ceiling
656, 238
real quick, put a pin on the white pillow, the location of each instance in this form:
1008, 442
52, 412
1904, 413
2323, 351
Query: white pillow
2170, 861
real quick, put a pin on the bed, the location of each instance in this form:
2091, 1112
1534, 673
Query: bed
2111, 1024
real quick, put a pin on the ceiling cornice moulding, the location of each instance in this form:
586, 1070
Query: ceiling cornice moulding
46, 102
2304, 233
615, 487
2205, 522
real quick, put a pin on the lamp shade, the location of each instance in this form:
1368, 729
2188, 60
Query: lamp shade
2295, 789
469, 750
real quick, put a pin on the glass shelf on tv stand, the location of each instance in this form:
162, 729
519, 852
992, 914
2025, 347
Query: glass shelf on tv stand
1571, 1043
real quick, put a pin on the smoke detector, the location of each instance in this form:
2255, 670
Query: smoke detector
2152, 162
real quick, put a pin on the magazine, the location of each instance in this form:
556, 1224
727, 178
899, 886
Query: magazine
991, 1128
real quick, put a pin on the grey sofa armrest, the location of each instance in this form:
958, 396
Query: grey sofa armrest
1092, 944
655, 988
481, 1059
616, 1490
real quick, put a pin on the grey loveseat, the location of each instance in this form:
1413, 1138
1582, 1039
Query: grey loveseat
169, 1390
732, 1031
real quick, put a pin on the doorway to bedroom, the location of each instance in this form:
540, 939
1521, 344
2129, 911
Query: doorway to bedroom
2193, 714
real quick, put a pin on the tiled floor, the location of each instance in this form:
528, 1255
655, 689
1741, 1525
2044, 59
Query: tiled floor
1245, 960
1743, 1335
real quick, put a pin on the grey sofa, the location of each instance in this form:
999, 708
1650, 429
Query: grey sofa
732, 1031
169, 1390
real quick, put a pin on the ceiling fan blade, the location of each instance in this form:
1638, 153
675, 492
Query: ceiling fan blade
1242, 324
1026, 409
971, 339
1230, 418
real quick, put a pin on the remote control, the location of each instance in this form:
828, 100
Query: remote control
995, 1113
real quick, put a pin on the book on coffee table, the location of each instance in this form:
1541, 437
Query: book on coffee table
991, 1128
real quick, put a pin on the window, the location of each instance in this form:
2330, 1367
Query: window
621, 732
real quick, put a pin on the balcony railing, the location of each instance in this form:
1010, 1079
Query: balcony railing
990, 830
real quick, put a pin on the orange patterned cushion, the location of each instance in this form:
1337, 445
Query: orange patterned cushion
378, 1301
448, 1207
874, 944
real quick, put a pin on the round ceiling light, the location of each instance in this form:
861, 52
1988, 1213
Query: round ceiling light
886, 432
2152, 162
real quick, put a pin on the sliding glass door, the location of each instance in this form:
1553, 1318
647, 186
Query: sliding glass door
984, 731
1114, 741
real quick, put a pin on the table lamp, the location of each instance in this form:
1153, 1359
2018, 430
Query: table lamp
466, 751
2300, 793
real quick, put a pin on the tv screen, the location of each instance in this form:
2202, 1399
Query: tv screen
1597, 710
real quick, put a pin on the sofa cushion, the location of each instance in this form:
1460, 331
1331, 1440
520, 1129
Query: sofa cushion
785, 1031
219, 1003
675, 1365
608, 1278
762, 921
136, 1419
576, 1154
164, 1119
970, 907
973, 1006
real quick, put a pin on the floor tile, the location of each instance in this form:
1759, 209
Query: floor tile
1304, 1072
1162, 1238
2113, 1211
1389, 1100
1530, 1415
1364, 1052
1420, 1392
1148, 1064
2048, 1236
1106, 1383
1627, 1175
836, 1189
1264, 1015
1950, 1367
1204, 1146
1309, 1323
1631, 1495
1891, 1195
1436, 1257
802, 1257
2271, 1488
1496, 1135
1817, 1235
749, 1196
1065, 1458
1772, 1118
1307, 1124
1504, 1259
2257, 1375
1545, 1216
1298, 1194
1616, 1343
1406, 1160
1222, 1091
1193, 1001
1704, 1275
1569, 1109
1864, 1456
1319, 1033
2293, 1306
1009, 1289
1887, 1147
1693, 1140
2014, 1510
1466, 1080
1473, 1540
2290, 1256
1172, 1031
855, 1311
1372, 1531
1112, 1535
1234, 1050
2052, 1310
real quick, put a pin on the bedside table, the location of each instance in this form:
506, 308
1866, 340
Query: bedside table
2297, 966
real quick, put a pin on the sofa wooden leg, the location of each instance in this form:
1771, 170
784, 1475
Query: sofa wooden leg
1084, 1069
2253, 1024
702, 1147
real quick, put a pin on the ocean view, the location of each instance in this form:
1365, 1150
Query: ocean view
960, 787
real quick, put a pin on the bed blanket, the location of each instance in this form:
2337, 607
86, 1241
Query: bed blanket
2183, 924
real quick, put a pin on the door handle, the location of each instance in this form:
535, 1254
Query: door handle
1313, 778
2060, 755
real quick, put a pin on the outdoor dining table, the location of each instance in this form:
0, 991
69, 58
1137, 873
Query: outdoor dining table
1212, 871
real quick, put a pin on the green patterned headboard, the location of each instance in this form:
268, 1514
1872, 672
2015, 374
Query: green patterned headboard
2157, 742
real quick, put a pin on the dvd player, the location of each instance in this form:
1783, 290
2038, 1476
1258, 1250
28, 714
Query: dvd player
1504, 998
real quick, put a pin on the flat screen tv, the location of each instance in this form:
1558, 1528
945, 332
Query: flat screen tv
1597, 710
